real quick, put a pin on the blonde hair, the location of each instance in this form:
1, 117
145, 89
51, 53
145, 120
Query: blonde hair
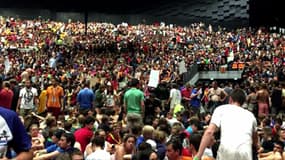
147, 129
159, 136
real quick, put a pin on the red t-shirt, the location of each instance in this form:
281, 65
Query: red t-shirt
112, 139
6, 96
83, 136
186, 92
185, 152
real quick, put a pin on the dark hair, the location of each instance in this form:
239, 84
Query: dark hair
174, 85
105, 119
252, 89
143, 154
1, 80
195, 140
98, 141
68, 125
89, 120
195, 122
266, 121
58, 133
278, 120
134, 82
238, 96
126, 137
87, 83
144, 146
76, 151
50, 120
280, 143
97, 133
69, 138
165, 128
136, 129
203, 115
176, 144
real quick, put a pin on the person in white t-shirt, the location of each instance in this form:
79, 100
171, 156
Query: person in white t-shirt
98, 144
175, 97
28, 99
238, 130
107, 146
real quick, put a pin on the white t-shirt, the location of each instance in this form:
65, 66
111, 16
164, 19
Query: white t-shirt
99, 155
105, 148
172, 121
237, 126
175, 96
27, 97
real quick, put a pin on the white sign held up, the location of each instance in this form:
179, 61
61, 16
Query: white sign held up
153, 78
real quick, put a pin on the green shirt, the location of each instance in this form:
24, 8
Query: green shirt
132, 99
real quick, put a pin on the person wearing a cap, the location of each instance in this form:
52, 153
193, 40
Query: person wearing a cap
238, 135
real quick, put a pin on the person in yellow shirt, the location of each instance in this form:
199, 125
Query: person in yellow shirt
42, 100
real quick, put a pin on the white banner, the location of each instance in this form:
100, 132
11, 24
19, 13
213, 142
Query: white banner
7, 64
153, 78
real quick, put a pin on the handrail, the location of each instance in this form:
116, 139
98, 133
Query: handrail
191, 72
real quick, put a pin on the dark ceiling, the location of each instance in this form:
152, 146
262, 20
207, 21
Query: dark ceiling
261, 12
110, 6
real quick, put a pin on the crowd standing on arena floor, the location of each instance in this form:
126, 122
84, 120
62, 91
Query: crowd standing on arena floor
87, 95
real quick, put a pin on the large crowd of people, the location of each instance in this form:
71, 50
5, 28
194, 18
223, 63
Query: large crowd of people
84, 93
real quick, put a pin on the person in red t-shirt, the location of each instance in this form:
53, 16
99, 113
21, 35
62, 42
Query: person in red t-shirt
186, 94
84, 135
6, 94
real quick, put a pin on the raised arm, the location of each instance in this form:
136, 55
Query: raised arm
206, 140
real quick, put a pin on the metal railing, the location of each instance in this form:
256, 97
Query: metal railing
191, 72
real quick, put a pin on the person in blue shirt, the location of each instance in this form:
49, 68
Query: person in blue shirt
65, 145
194, 125
85, 98
196, 96
55, 139
13, 136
